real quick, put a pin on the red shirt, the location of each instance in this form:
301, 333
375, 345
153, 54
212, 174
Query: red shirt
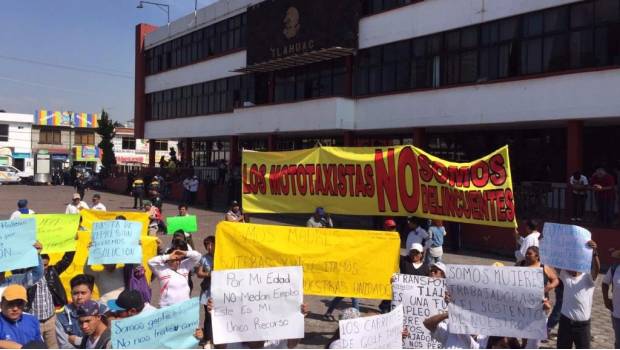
604, 181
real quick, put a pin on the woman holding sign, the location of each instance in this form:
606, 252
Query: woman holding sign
172, 270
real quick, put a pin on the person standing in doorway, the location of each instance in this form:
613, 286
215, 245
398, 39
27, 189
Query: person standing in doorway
579, 185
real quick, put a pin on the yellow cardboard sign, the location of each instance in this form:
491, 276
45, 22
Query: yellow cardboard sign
91, 216
56, 232
384, 181
347, 263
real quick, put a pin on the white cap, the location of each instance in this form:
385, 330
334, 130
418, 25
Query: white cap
440, 266
417, 246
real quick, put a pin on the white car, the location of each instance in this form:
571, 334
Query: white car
10, 174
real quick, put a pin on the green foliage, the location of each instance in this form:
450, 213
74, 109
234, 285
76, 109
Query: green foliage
107, 132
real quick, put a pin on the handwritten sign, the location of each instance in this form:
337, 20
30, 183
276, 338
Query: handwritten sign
501, 301
172, 327
374, 332
115, 242
257, 304
16, 240
421, 298
187, 223
335, 262
564, 246
89, 217
56, 232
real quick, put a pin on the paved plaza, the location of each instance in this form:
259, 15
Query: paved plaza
49, 199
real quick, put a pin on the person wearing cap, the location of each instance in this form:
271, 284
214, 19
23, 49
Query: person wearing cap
413, 263
17, 328
97, 335
389, 225
437, 232
22, 208
129, 303
437, 270
320, 219
76, 205
417, 233
137, 192
26, 277
97, 205
235, 214
612, 278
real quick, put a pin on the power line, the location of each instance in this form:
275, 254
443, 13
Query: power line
47, 86
107, 72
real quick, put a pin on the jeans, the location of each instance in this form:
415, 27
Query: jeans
616, 324
136, 199
334, 304
207, 328
554, 317
573, 332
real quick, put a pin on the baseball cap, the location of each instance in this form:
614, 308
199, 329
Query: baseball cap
128, 299
417, 246
76, 196
234, 203
146, 202
15, 292
22, 203
89, 308
389, 223
439, 265
319, 211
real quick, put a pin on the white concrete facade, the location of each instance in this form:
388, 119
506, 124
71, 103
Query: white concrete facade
19, 139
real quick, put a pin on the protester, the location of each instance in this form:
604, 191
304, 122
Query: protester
68, 332
389, 225
320, 219
172, 270
603, 185
135, 280
22, 208
25, 277
194, 183
155, 218
52, 277
17, 328
417, 233
81, 185
612, 278
137, 191
97, 335
577, 304
578, 184
156, 199
235, 214
531, 239
129, 303
438, 326
186, 189
110, 281
184, 211
437, 270
97, 205
437, 232
76, 205
204, 271
413, 263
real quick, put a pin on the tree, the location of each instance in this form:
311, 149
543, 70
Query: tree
107, 133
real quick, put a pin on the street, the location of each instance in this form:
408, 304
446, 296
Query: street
53, 199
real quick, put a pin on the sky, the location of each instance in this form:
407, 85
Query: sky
74, 55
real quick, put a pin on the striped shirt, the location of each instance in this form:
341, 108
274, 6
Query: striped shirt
42, 305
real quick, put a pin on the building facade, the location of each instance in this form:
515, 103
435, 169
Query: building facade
130, 151
15, 141
457, 78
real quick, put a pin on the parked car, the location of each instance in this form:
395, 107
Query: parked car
10, 174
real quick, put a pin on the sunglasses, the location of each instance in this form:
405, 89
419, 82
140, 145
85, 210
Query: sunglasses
16, 303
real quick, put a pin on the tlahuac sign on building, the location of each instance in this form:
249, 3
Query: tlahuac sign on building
281, 28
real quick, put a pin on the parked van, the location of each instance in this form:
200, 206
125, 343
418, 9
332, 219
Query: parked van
10, 174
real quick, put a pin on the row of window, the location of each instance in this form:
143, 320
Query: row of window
4, 132
581, 35
370, 7
216, 96
53, 137
306, 82
226, 35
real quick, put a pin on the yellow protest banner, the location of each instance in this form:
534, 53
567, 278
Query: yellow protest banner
347, 263
56, 232
91, 216
385, 181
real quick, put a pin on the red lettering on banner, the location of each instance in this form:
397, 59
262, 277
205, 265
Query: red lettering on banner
368, 178
432, 200
274, 184
426, 172
490, 197
480, 174
350, 171
244, 179
342, 181
498, 171
407, 159
424, 191
319, 188
302, 183
510, 205
501, 205
386, 180
290, 173
262, 185
310, 172
360, 186
284, 180
440, 171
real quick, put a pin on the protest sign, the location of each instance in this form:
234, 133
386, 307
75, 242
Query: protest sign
501, 301
115, 242
56, 232
257, 304
187, 223
374, 332
564, 247
421, 298
172, 327
335, 262
385, 181
16, 240
91, 216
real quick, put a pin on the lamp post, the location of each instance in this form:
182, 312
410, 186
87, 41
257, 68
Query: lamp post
72, 126
162, 7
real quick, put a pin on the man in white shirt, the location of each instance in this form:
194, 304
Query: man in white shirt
22, 208
76, 205
530, 240
438, 326
320, 219
577, 304
578, 184
97, 205
612, 278
417, 234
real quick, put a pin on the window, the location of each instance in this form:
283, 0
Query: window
161, 145
84, 138
4, 132
129, 143
370, 7
49, 136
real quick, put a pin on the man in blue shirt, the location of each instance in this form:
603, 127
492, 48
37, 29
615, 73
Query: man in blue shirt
16, 327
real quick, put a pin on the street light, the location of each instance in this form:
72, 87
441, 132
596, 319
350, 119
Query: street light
162, 7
